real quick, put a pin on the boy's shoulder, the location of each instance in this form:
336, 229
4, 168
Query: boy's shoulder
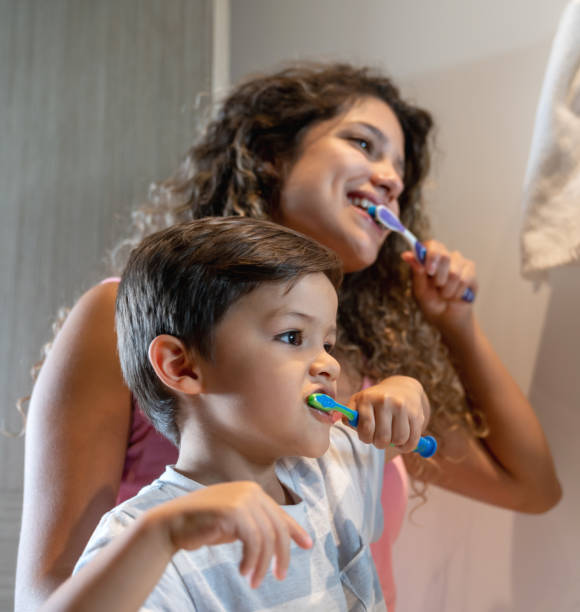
168, 486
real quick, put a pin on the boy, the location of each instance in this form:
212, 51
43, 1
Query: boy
225, 327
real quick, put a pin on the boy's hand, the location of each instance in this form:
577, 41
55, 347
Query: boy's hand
439, 284
394, 411
233, 511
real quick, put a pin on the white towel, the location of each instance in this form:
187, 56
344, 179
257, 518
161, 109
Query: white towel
550, 232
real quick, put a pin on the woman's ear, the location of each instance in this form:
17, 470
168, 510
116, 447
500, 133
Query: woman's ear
175, 366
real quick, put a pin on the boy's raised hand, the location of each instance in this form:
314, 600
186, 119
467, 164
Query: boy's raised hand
231, 511
394, 411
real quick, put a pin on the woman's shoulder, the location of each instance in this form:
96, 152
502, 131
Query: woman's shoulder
90, 323
100, 297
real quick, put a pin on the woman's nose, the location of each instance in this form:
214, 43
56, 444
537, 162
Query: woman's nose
386, 177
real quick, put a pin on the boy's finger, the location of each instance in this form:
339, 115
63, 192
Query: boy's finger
297, 532
366, 418
281, 539
251, 538
383, 428
413, 438
401, 430
266, 549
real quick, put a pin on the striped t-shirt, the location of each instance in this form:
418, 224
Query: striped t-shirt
338, 504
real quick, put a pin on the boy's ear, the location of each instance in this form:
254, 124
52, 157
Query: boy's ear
174, 365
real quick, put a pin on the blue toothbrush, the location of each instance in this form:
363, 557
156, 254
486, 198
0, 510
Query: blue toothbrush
427, 444
382, 215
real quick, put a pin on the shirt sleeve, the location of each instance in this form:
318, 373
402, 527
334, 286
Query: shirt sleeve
169, 594
110, 526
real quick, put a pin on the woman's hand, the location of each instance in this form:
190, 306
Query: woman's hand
232, 511
394, 411
439, 283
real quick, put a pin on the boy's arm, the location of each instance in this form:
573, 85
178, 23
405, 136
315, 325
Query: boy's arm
125, 572
122, 575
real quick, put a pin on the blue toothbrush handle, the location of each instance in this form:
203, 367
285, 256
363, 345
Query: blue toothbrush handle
427, 444
352, 417
426, 447
383, 216
421, 253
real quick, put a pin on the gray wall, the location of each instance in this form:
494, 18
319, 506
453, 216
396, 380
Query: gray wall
96, 101
478, 66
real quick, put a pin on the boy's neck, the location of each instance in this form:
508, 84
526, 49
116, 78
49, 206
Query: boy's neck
209, 462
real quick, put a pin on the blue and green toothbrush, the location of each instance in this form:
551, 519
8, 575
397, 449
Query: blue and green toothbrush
427, 444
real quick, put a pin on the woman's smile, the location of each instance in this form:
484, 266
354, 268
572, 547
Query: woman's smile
344, 162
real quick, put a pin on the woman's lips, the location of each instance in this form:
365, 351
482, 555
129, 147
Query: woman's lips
376, 228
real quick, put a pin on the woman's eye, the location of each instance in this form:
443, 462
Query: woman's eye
362, 143
293, 337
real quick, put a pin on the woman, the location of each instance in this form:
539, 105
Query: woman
306, 147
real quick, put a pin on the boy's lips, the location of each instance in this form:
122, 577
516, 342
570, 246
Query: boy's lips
325, 417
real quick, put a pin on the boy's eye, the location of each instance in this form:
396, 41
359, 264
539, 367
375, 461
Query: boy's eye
293, 337
328, 347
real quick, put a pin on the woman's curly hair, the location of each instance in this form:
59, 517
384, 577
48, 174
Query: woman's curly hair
237, 168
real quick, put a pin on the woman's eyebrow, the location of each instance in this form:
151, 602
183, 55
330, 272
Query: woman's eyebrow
399, 163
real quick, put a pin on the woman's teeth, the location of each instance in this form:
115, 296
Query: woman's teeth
360, 202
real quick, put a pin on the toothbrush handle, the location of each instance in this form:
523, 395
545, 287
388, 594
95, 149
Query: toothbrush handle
421, 253
426, 447
427, 444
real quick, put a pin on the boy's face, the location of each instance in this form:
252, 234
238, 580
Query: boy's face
270, 352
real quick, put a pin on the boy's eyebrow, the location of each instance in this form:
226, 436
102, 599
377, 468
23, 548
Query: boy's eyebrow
296, 313
384, 140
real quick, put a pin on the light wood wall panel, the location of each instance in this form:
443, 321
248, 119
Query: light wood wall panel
96, 101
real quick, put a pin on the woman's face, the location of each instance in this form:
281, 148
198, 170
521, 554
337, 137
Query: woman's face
358, 155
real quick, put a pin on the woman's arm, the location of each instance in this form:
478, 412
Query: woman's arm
512, 467
76, 439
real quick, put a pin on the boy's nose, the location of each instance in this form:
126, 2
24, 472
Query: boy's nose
325, 365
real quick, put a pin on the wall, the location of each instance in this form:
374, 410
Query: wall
96, 100
478, 67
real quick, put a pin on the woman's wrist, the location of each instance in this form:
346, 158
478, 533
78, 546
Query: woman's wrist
460, 333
